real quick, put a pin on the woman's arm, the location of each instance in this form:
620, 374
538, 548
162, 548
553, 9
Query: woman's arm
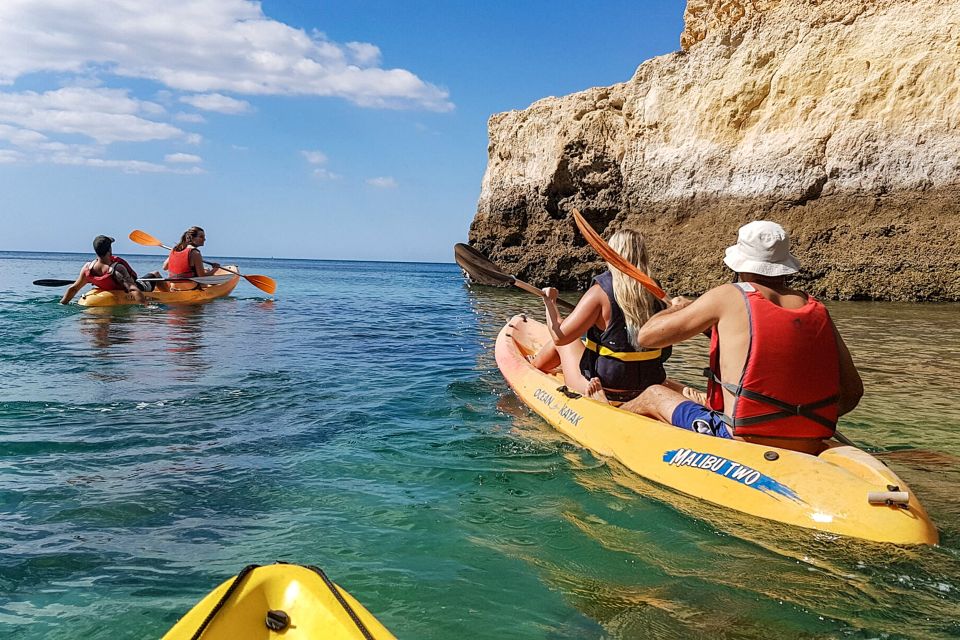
584, 315
196, 261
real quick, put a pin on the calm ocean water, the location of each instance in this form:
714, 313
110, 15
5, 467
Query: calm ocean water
358, 422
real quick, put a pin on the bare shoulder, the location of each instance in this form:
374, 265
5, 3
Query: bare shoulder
718, 299
594, 295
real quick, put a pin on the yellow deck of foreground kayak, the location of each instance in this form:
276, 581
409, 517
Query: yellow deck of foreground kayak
314, 612
826, 492
186, 293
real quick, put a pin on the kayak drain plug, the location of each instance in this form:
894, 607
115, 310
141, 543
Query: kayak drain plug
277, 620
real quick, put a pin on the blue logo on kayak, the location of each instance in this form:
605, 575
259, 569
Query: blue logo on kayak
729, 469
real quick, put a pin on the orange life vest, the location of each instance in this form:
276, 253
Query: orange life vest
107, 282
178, 264
790, 381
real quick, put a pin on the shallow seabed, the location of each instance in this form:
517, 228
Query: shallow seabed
358, 422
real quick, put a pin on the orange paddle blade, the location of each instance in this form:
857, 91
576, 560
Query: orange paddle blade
264, 283
144, 238
614, 258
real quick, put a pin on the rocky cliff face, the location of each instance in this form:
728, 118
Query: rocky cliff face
840, 119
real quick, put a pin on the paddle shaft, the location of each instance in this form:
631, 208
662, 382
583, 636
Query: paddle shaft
612, 257
51, 282
529, 288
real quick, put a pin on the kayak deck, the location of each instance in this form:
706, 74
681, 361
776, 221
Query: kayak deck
300, 602
828, 492
188, 292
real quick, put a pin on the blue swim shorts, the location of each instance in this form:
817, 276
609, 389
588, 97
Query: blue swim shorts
693, 416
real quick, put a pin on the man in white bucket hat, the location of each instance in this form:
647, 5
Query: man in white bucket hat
779, 374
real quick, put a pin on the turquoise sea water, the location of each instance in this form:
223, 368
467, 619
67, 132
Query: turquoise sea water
358, 422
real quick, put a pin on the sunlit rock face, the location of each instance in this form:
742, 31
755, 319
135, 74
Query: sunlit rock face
840, 119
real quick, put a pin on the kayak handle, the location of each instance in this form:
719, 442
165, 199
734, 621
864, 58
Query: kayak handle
888, 498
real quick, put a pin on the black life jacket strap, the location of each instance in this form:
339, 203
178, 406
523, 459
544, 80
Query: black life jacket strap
786, 410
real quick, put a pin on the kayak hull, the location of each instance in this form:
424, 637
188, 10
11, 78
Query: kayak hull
299, 592
185, 293
828, 493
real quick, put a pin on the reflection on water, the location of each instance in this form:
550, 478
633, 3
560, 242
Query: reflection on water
706, 571
183, 340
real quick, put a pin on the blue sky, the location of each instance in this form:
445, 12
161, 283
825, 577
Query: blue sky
285, 128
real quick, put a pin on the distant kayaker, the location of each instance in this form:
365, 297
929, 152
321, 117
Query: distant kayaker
185, 260
611, 314
780, 374
107, 273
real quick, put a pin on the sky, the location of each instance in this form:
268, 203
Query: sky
342, 130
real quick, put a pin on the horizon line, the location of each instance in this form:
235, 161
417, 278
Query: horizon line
84, 253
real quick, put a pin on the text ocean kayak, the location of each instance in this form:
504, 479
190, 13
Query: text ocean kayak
285, 601
180, 293
836, 492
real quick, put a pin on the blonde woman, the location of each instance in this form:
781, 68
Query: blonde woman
607, 360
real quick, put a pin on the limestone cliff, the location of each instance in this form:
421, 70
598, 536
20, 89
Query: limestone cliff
840, 119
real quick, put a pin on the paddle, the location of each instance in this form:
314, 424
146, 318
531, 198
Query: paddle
614, 258
482, 271
50, 282
264, 283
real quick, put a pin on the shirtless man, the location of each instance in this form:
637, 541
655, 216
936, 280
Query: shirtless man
107, 272
781, 374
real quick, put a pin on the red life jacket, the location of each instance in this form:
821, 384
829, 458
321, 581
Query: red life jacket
178, 264
107, 282
790, 383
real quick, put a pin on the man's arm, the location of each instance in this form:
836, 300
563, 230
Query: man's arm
125, 280
74, 288
851, 385
682, 320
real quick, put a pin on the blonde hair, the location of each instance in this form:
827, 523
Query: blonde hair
637, 303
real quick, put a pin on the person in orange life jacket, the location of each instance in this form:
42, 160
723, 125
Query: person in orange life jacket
780, 374
185, 260
107, 272
610, 314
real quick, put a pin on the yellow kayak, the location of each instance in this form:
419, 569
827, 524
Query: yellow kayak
843, 491
174, 293
277, 601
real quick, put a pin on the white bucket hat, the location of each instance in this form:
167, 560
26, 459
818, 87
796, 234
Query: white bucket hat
763, 247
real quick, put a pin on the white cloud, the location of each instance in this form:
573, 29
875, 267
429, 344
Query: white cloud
324, 174
127, 166
218, 102
182, 158
315, 157
9, 156
382, 182
195, 118
200, 47
364, 54
105, 115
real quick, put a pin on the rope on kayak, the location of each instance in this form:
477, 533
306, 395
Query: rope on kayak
223, 600
346, 606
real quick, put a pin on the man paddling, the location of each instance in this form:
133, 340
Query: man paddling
780, 374
108, 273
